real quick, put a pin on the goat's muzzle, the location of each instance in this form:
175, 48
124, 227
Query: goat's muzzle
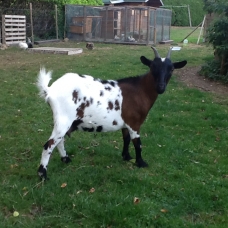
161, 88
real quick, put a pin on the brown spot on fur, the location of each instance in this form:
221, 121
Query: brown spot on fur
117, 105
110, 105
51, 142
75, 96
84, 98
81, 108
114, 122
80, 113
101, 93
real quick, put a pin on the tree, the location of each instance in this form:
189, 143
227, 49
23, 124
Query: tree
217, 33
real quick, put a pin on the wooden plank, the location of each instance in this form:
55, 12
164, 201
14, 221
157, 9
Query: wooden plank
15, 29
16, 25
14, 21
53, 50
16, 38
15, 33
47, 41
15, 16
14, 42
165, 41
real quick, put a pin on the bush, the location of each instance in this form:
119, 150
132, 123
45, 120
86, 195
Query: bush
217, 36
211, 70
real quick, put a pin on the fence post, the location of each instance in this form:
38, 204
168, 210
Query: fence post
189, 16
56, 22
84, 23
3, 30
65, 15
140, 23
125, 23
170, 24
106, 22
148, 25
155, 24
31, 21
162, 35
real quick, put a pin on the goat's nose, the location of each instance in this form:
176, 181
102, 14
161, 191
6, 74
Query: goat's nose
160, 88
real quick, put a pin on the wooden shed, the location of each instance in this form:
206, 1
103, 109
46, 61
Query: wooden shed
118, 24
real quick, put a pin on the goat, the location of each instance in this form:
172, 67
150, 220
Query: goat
81, 102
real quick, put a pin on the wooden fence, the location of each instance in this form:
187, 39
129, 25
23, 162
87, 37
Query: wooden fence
13, 29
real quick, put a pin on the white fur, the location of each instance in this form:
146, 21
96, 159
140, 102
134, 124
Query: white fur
43, 81
23, 45
60, 97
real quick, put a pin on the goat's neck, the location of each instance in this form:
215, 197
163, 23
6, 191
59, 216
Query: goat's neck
148, 84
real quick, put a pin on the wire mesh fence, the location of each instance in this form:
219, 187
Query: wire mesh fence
41, 23
143, 25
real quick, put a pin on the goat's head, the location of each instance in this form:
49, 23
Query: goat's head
161, 69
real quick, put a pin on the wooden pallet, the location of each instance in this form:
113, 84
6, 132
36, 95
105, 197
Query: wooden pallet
13, 29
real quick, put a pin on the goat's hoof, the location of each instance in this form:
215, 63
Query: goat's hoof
66, 159
126, 157
141, 164
42, 172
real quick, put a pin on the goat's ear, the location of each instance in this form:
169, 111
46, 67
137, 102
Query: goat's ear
145, 61
178, 65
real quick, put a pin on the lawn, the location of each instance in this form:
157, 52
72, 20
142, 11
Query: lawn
184, 140
179, 33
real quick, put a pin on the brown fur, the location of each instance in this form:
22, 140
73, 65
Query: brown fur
138, 100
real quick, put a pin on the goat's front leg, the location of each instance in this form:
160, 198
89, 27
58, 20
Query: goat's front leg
64, 156
126, 140
138, 149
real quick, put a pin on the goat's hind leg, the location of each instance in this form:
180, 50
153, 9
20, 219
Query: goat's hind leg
64, 156
56, 139
47, 151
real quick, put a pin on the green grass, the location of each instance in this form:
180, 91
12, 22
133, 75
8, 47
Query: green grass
184, 141
179, 33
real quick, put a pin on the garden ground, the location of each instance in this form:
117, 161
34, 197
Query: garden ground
191, 77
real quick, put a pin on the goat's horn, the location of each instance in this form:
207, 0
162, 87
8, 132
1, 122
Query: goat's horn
155, 52
169, 53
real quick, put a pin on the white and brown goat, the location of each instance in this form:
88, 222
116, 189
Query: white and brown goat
81, 102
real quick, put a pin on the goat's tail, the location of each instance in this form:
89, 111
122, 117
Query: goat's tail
43, 80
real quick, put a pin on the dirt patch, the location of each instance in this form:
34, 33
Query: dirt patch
190, 76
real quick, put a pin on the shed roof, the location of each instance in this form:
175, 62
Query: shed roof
156, 2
